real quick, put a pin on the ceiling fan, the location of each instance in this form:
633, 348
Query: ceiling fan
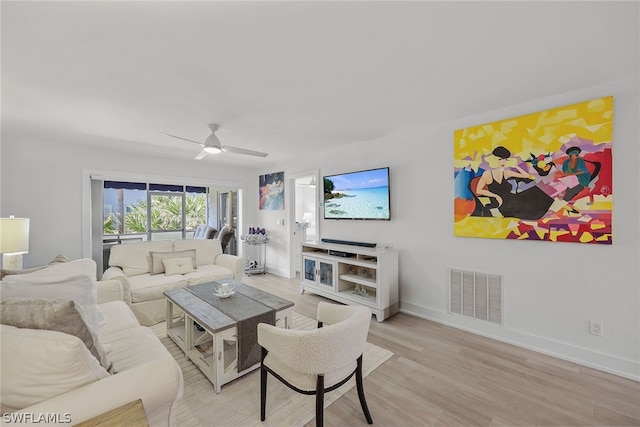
212, 145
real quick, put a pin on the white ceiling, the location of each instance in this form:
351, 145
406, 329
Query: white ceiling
290, 78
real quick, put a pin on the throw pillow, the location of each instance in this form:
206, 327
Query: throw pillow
52, 315
157, 267
73, 280
177, 265
59, 259
39, 364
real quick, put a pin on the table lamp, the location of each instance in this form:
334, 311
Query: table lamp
14, 241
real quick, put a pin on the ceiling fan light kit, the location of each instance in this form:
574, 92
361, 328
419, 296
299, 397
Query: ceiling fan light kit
212, 145
212, 150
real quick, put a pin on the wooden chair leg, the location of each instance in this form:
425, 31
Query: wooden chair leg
360, 387
320, 401
263, 393
263, 386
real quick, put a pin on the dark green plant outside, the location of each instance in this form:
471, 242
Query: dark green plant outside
166, 214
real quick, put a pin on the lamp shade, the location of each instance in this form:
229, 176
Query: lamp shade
14, 235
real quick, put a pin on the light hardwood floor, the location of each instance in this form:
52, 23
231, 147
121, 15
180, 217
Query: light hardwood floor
442, 376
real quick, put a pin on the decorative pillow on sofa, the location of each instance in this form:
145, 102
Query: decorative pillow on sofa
206, 250
38, 364
53, 315
73, 280
177, 265
157, 267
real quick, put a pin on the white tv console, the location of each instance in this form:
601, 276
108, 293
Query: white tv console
352, 275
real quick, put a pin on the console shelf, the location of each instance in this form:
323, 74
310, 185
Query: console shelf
359, 280
352, 275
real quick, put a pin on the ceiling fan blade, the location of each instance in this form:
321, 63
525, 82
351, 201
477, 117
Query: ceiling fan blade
236, 150
201, 155
179, 137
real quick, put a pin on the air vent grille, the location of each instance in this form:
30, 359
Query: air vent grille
477, 295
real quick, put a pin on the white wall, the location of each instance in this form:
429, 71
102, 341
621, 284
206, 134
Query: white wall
552, 290
43, 179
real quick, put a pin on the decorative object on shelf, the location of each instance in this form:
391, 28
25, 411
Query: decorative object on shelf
14, 241
256, 238
360, 290
272, 191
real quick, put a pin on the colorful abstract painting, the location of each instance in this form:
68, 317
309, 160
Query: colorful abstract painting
542, 176
272, 191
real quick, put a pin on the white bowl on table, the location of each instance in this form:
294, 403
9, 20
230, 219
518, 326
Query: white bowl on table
224, 290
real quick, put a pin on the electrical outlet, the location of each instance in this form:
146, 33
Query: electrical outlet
595, 328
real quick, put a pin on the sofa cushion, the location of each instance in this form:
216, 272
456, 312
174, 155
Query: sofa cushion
208, 273
206, 249
73, 280
134, 258
173, 266
39, 364
146, 287
157, 266
135, 346
119, 317
53, 315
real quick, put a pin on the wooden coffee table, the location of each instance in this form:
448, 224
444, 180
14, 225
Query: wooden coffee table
207, 332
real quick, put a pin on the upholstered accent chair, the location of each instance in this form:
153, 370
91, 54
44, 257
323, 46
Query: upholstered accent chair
225, 235
205, 232
317, 361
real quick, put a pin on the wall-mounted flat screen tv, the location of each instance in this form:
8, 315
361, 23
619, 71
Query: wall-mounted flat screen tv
357, 195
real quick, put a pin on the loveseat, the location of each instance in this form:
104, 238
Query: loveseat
147, 269
85, 371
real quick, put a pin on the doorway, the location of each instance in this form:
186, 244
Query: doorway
304, 223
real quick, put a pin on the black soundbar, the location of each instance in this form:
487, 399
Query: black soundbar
348, 242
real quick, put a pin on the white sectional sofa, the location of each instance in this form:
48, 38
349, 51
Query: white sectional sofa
140, 267
45, 371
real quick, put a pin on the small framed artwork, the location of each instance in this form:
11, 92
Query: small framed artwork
272, 191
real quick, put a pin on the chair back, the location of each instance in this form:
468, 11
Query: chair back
342, 338
225, 236
204, 232
345, 329
319, 360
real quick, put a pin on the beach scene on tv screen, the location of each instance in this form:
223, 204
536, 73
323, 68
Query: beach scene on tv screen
357, 195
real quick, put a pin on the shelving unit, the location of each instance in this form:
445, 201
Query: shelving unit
352, 275
255, 253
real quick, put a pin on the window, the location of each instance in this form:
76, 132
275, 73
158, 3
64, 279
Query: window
141, 211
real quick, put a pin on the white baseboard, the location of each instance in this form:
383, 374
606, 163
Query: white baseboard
603, 362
